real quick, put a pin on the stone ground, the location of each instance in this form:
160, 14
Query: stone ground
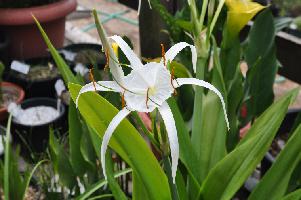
77, 30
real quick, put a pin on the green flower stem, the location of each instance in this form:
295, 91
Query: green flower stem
7, 159
146, 131
203, 13
198, 102
195, 18
216, 15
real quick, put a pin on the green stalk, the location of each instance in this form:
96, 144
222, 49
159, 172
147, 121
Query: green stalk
146, 131
198, 103
7, 159
203, 13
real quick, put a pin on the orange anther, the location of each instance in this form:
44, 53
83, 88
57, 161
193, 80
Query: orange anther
107, 60
172, 78
163, 54
122, 100
91, 76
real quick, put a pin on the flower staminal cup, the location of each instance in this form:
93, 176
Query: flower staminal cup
240, 12
147, 87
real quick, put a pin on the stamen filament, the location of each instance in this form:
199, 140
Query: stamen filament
147, 97
91, 77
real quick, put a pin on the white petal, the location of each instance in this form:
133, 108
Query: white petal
152, 77
139, 7
175, 49
129, 53
100, 86
172, 137
193, 81
108, 134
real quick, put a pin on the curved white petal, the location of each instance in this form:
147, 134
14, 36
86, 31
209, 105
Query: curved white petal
100, 86
172, 137
139, 7
149, 87
129, 53
108, 134
193, 81
175, 49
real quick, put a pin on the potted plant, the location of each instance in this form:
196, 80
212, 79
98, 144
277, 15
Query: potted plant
17, 24
39, 78
31, 122
9, 92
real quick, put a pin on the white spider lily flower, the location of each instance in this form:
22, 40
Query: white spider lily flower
148, 87
139, 5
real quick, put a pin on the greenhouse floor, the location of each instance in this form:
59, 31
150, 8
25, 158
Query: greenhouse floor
119, 19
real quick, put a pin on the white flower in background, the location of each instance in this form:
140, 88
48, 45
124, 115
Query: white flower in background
148, 87
139, 5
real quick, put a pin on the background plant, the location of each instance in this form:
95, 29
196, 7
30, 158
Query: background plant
206, 151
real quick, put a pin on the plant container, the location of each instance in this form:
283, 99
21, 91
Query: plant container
40, 80
25, 40
34, 138
11, 93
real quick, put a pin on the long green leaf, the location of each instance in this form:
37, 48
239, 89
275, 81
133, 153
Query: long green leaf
276, 180
7, 159
231, 172
187, 153
28, 178
100, 184
75, 134
262, 62
296, 195
126, 141
139, 191
60, 63
61, 163
114, 186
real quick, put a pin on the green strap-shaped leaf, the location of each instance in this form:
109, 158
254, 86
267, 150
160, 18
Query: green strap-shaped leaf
78, 163
275, 181
61, 163
100, 184
114, 186
59, 61
232, 171
296, 195
126, 141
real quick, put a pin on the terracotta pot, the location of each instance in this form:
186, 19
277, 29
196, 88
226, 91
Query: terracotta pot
14, 89
25, 40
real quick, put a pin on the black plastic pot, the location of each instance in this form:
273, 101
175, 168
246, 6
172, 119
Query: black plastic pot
3, 47
36, 136
286, 126
76, 48
294, 32
35, 88
2, 136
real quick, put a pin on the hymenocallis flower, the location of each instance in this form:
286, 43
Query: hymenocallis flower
240, 12
139, 5
146, 88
